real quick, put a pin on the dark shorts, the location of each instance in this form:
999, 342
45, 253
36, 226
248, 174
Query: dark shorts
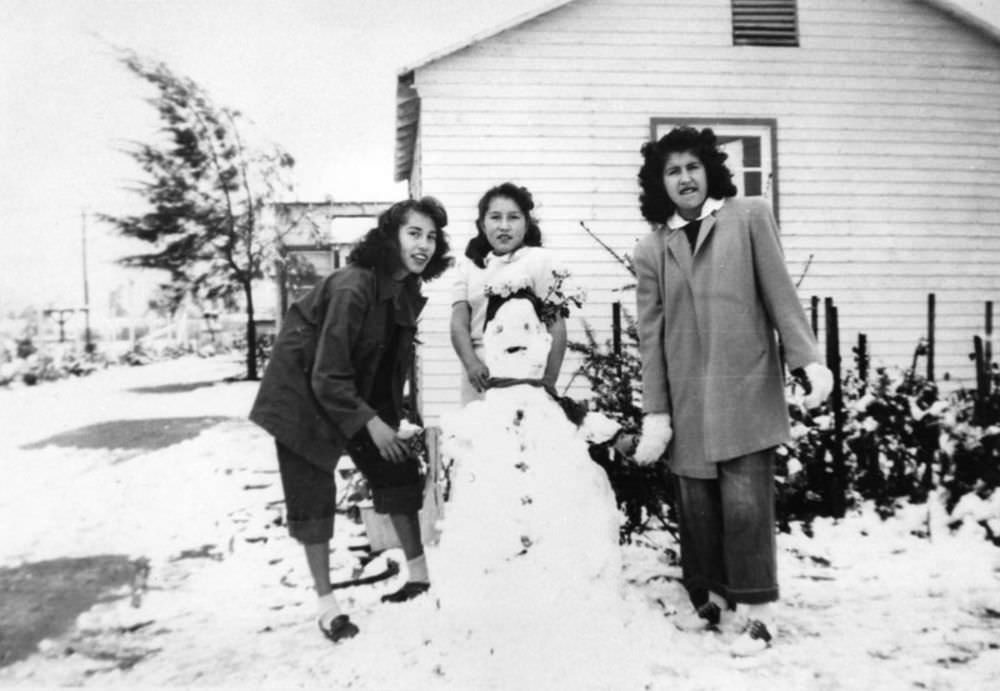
311, 492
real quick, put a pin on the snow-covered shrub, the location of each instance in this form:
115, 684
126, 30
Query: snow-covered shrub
265, 344
136, 355
901, 441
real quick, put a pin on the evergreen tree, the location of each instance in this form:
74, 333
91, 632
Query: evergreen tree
206, 189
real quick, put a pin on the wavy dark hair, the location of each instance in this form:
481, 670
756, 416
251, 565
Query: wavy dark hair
379, 248
654, 202
479, 246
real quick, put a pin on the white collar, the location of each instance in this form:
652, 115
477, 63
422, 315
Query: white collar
710, 206
502, 258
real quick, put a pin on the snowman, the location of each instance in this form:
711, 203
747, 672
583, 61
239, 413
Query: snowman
529, 557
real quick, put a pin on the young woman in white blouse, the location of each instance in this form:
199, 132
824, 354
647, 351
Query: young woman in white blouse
507, 248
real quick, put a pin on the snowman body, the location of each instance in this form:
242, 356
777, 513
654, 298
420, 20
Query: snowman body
531, 527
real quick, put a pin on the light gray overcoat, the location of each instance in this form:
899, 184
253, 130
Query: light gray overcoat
707, 341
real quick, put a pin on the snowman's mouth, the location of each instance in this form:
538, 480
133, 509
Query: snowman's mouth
515, 349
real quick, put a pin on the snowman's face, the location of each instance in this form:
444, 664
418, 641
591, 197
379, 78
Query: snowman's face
516, 342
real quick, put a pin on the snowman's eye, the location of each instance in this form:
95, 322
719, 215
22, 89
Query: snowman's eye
499, 329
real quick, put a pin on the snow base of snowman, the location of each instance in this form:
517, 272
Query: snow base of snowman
529, 563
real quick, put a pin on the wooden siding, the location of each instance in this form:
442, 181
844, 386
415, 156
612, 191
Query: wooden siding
888, 119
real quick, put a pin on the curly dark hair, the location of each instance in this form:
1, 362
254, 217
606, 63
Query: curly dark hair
379, 248
654, 202
479, 246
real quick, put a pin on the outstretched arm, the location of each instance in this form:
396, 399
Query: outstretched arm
556, 353
461, 340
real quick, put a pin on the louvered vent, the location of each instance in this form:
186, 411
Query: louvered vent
765, 23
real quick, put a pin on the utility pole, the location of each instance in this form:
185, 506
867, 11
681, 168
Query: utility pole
88, 346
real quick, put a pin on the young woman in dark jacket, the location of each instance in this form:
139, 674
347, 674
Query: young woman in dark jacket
334, 385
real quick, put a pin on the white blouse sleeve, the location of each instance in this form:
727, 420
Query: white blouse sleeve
542, 267
460, 286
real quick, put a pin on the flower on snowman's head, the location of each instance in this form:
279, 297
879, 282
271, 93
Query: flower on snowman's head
512, 282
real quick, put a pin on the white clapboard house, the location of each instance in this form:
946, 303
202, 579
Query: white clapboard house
872, 126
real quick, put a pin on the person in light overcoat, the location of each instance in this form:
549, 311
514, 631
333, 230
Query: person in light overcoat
713, 294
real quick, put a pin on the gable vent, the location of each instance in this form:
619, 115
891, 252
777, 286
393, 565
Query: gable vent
765, 23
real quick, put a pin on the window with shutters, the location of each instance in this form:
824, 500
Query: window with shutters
765, 23
751, 145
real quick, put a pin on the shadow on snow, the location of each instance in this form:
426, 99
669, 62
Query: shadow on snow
173, 388
138, 436
43, 599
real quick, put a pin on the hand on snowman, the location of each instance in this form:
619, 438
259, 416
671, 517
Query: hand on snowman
818, 382
656, 434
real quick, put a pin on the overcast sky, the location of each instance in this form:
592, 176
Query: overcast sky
316, 77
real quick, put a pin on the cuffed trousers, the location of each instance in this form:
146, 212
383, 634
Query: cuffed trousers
727, 531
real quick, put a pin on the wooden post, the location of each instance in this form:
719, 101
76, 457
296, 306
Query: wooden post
616, 327
616, 334
988, 345
836, 498
814, 314
862, 357
982, 379
930, 337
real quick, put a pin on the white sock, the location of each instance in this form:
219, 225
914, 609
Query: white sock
417, 569
763, 612
327, 608
718, 600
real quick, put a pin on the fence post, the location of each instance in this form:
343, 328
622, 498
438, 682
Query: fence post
988, 345
616, 327
616, 334
982, 380
930, 337
814, 314
862, 357
837, 480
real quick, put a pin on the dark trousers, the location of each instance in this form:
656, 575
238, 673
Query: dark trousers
727, 531
310, 491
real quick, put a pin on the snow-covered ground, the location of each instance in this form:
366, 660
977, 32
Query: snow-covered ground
158, 466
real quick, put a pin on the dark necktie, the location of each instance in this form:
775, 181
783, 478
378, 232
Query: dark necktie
691, 230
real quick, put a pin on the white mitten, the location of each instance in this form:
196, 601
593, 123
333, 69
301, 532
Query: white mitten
656, 434
820, 383
407, 430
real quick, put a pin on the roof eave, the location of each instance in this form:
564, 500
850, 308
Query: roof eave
986, 27
408, 101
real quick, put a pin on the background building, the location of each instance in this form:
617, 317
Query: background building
873, 127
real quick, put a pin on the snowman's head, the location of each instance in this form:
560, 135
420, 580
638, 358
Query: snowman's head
515, 341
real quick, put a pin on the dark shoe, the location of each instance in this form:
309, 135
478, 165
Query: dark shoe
410, 590
339, 627
705, 617
754, 639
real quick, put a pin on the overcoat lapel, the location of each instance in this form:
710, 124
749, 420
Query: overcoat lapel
707, 225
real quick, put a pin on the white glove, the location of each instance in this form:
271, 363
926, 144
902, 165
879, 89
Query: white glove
656, 434
820, 383
407, 430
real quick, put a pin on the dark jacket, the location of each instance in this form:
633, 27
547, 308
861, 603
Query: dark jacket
316, 391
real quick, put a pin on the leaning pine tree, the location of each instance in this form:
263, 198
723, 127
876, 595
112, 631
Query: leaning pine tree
206, 189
